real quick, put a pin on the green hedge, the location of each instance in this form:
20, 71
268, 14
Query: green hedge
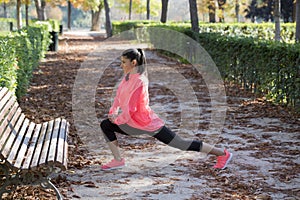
8, 64
261, 66
21, 54
263, 31
264, 67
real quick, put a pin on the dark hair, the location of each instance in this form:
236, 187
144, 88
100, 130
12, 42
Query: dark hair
139, 56
135, 54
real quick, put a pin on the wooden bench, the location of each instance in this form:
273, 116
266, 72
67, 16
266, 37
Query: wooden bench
29, 153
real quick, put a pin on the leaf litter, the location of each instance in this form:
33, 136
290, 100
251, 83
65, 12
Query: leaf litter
263, 137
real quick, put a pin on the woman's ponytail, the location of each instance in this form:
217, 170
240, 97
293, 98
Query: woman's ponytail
142, 58
141, 61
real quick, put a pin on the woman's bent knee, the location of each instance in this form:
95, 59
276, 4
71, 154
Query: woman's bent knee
108, 130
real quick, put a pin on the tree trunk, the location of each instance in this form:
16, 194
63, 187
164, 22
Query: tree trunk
294, 12
164, 11
69, 14
19, 15
194, 15
237, 10
96, 18
130, 9
221, 4
40, 9
43, 8
212, 11
108, 26
26, 13
222, 16
4, 9
298, 21
277, 20
148, 9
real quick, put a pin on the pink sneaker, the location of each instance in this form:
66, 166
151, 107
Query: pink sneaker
222, 161
114, 164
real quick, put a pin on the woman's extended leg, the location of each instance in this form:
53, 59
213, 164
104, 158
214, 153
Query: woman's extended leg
170, 138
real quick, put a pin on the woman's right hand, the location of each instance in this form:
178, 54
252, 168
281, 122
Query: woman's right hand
112, 118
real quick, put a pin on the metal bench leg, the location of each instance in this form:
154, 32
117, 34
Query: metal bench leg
47, 184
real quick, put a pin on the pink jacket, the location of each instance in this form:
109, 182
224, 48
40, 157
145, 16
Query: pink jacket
133, 99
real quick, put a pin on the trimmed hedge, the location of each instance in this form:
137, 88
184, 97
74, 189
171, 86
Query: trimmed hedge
8, 64
21, 54
263, 31
261, 66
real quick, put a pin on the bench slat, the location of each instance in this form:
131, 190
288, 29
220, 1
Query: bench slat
62, 143
54, 141
46, 144
8, 120
3, 90
4, 99
32, 146
12, 134
24, 146
6, 105
39, 145
15, 147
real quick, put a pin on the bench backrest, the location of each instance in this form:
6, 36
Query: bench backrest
26, 145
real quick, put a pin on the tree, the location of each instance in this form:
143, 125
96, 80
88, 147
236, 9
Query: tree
69, 14
164, 11
266, 10
212, 11
237, 10
4, 9
96, 18
139, 7
287, 7
203, 8
108, 25
40, 9
130, 9
194, 15
221, 4
148, 9
19, 15
297, 20
26, 12
277, 20
251, 11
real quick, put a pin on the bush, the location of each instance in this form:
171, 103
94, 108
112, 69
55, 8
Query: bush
8, 64
261, 66
23, 49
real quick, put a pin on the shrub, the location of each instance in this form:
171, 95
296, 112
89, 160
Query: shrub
257, 64
8, 64
20, 54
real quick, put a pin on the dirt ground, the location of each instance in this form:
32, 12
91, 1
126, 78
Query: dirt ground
264, 138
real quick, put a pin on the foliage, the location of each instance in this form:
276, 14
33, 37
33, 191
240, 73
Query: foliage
8, 64
264, 31
20, 54
263, 10
261, 66
140, 6
82, 4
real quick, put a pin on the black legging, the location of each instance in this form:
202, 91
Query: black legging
164, 135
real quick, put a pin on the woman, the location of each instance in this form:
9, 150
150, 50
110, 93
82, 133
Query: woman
138, 118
